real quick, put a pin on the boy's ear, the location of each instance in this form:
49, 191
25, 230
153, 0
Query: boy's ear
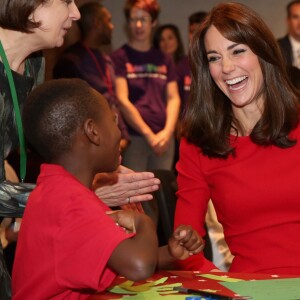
92, 131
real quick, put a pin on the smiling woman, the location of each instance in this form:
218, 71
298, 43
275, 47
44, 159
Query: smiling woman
246, 48
237, 72
243, 116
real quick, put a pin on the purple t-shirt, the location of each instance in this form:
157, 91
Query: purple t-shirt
77, 62
184, 82
147, 74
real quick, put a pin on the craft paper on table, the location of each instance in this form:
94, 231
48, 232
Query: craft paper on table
220, 278
274, 289
151, 290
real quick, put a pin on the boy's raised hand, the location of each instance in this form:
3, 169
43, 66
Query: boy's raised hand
184, 242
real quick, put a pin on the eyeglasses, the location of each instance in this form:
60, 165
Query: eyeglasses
143, 20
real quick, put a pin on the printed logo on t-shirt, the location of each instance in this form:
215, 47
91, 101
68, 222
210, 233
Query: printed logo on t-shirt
187, 83
147, 70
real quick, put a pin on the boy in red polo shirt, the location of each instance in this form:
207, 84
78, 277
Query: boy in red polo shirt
70, 243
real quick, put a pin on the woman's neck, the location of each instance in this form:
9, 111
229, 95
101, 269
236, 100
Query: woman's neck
247, 118
15, 47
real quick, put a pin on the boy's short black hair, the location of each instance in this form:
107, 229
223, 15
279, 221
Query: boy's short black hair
54, 112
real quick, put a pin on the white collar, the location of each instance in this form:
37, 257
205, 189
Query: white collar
295, 44
296, 51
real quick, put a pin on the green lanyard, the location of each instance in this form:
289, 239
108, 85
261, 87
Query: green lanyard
14, 96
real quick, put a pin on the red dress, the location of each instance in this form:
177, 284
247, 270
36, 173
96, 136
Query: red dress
257, 199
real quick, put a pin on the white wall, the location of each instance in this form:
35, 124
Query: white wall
178, 11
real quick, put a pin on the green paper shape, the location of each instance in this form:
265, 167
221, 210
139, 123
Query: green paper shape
118, 290
127, 287
159, 281
272, 289
154, 290
150, 290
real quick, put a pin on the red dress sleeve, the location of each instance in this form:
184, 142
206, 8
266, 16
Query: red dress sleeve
192, 200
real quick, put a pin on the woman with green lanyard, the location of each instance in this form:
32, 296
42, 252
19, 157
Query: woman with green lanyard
26, 26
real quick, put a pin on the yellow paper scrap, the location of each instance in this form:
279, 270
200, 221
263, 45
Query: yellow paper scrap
127, 287
220, 278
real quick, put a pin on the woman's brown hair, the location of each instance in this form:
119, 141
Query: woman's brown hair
209, 118
14, 14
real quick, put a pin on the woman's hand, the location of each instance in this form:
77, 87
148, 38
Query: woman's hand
124, 186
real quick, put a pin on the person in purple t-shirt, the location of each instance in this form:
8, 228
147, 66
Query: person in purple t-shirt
167, 38
84, 59
147, 90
